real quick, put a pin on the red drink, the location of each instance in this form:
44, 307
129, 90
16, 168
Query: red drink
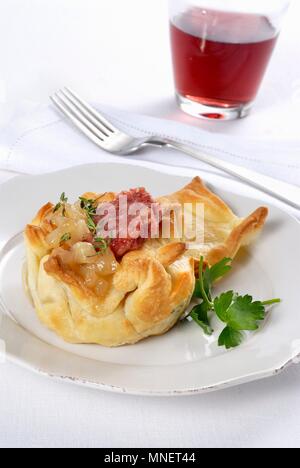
220, 58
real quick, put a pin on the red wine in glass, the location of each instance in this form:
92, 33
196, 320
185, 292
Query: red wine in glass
220, 58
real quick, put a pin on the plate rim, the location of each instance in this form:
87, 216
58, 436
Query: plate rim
148, 393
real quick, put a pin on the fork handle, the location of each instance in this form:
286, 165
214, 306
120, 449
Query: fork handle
287, 193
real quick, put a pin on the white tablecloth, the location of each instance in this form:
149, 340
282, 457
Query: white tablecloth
46, 44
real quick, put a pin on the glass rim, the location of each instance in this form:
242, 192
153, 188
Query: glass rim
278, 7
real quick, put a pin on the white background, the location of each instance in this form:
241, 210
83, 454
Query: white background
117, 52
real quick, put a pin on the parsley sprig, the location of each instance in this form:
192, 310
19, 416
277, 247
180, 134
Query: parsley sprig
239, 313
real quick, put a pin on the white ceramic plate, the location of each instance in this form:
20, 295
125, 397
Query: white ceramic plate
184, 361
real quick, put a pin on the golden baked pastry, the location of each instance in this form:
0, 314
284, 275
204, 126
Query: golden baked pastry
224, 233
87, 295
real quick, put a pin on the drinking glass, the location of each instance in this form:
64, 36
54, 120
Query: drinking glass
221, 50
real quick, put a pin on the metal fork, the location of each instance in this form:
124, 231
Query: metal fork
105, 135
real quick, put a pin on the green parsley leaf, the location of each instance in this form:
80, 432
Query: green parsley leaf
200, 315
230, 338
222, 304
210, 276
216, 272
244, 314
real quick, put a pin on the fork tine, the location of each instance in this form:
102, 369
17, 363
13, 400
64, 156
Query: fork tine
79, 116
91, 135
95, 113
85, 112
